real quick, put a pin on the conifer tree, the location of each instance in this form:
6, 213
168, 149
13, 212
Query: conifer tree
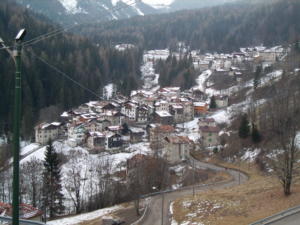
244, 129
256, 136
257, 76
52, 187
213, 103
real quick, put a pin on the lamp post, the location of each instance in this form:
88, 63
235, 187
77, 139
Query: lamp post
16, 55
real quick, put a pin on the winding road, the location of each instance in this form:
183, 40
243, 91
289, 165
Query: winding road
153, 215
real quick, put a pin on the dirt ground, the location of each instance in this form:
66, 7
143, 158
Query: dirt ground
260, 197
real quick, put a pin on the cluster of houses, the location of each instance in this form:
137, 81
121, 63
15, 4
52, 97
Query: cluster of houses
223, 62
112, 125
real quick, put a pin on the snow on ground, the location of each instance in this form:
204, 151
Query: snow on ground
171, 210
250, 155
158, 3
149, 76
201, 80
190, 129
221, 116
138, 10
274, 76
2, 140
84, 217
71, 6
39, 155
109, 90
29, 148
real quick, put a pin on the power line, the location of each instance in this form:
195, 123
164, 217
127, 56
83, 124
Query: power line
62, 30
65, 75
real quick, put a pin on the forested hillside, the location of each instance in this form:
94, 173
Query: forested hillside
221, 28
86, 63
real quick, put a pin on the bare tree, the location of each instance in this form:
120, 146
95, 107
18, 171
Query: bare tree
75, 179
31, 172
282, 126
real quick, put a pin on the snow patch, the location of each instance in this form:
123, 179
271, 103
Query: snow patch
71, 6
158, 4
250, 155
84, 217
222, 116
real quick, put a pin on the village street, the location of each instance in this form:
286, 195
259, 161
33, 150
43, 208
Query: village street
153, 215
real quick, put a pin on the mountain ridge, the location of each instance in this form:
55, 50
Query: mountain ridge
66, 12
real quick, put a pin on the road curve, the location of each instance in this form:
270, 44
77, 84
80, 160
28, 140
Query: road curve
289, 220
154, 214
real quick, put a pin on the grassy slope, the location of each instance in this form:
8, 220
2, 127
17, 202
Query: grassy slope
258, 198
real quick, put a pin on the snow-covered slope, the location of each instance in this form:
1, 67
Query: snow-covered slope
68, 12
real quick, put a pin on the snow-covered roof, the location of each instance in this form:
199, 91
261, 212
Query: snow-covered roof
200, 104
163, 113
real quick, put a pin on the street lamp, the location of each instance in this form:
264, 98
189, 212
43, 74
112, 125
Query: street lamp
16, 55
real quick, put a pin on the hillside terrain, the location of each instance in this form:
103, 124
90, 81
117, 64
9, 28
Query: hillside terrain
66, 12
219, 28
84, 62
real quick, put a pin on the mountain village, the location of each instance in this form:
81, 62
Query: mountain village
157, 122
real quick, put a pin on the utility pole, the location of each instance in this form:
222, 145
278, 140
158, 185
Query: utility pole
16, 55
162, 208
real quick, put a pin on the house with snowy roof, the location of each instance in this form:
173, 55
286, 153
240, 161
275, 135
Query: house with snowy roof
176, 110
115, 117
200, 108
163, 117
136, 134
157, 133
46, 131
209, 122
96, 141
129, 109
97, 124
76, 134
113, 141
27, 212
142, 114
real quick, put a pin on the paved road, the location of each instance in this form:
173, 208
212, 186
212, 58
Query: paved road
154, 214
290, 220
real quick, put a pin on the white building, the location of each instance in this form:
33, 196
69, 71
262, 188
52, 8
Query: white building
46, 131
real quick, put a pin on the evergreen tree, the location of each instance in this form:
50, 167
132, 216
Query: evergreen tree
256, 137
125, 129
213, 104
52, 187
244, 129
257, 76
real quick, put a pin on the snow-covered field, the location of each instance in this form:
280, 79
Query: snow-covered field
88, 168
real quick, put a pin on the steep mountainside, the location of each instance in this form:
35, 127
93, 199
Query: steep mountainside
68, 12
84, 62
221, 28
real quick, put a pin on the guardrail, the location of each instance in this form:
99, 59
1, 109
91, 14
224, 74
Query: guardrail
5, 220
278, 216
